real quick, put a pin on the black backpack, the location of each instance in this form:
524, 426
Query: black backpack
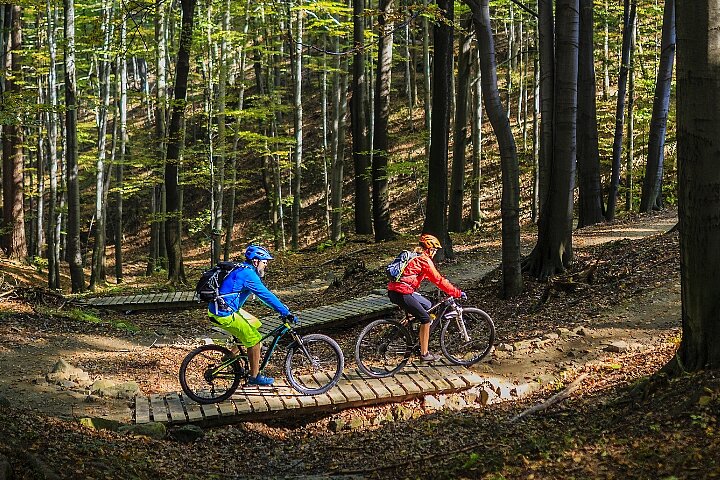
207, 289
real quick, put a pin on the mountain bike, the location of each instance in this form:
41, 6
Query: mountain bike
313, 365
385, 346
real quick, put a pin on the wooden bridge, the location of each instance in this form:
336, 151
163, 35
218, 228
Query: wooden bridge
258, 403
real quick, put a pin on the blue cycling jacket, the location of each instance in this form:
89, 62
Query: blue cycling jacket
238, 286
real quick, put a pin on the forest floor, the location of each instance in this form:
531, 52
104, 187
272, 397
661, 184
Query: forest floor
612, 321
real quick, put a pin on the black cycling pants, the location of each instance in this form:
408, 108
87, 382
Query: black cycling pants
413, 303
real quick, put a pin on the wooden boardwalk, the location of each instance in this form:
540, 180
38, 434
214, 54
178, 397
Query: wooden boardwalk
253, 403
148, 301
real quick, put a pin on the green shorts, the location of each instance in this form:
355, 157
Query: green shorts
241, 324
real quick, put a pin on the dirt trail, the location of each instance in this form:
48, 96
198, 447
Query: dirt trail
28, 351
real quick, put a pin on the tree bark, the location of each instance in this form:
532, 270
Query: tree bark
457, 183
120, 167
553, 251
176, 273
337, 153
590, 208
629, 22
381, 202
296, 61
698, 115
477, 114
436, 208
546, 43
652, 182
53, 233
15, 245
510, 202
73, 251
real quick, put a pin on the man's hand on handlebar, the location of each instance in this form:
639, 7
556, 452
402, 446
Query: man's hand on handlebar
291, 318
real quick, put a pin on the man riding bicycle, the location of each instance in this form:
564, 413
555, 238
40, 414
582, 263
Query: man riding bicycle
235, 289
404, 294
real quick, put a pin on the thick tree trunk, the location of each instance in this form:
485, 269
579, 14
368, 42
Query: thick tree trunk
652, 183
590, 208
381, 202
546, 43
510, 202
698, 115
427, 94
436, 208
457, 183
363, 222
477, 114
15, 245
629, 22
553, 251
73, 248
176, 273
630, 159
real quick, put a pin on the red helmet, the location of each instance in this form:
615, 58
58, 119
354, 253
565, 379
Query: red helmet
429, 241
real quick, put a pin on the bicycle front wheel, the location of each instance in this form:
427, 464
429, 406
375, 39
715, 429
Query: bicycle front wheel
383, 348
314, 365
466, 339
203, 380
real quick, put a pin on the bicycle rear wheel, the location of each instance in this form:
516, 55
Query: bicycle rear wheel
314, 365
383, 348
203, 380
467, 339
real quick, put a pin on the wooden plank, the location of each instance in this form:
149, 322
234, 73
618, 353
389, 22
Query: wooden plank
393, 384
406, 383
142, 409
275, 403
425, 385
448, 373
363, 390
227, 408
177, 412
159, 411
257, 402
242, 403
379, 387
346, 388
210, 410
334, 394
436, 378
194, 413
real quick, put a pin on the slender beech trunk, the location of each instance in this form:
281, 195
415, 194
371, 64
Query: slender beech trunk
73, 247
120, 167
628, 22
176, 273
546, 44
363, 217
381, 204
630, 160
535, 202
477, 114
652, 183
606, 54
457, 179
53, 233
219, 185
510, 203
296, 57
426, 82
590, 208
340, 83
98, 274
437, 196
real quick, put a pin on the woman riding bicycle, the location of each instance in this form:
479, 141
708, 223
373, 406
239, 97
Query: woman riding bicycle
404, 294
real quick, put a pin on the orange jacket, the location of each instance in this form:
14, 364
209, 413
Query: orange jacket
419, 269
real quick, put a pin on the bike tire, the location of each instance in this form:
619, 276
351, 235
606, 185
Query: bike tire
480, 329
321, 372
200, 384
383, 348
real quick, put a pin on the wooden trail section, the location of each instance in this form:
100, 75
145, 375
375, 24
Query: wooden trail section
356, 309
353, 390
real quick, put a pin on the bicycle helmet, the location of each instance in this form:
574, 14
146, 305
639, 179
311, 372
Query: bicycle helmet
429, 241
253, 252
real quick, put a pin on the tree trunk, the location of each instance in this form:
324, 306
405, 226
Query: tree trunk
510, 202
53, 233
337, 149
176, 273
73, 248
698, 116
98, 275
630, 125
436, 208
457, 183
590, 208
652, 182
477, 114
381, 205
546, 43
363, 222
553, 251
13, 212
296, 58
426, 82
120, 167
629, 21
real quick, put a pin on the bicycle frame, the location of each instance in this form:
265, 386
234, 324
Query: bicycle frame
448, 303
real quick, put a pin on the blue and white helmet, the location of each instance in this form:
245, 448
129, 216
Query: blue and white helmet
253, 252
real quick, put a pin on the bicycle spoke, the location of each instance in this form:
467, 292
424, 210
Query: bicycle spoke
468, 338
204, 379
314, 366
382, 348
